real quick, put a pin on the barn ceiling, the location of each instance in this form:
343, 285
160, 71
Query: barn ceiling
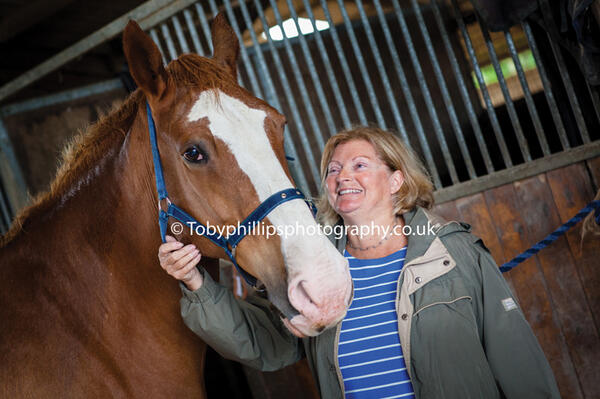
33, 31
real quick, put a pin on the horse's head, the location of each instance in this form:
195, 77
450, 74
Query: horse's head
222, 153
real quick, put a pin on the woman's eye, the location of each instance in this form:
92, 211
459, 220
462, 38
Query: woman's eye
194, 154
332, 171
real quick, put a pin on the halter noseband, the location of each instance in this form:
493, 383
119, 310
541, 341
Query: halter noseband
229, 243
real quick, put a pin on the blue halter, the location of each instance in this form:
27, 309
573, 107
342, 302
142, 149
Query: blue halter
229, 243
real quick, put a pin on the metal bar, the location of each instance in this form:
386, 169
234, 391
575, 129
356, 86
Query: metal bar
486, 96
147, 15
64, 96
564, 73
361, 65
312, 117
463, 89
537, 124
510, 107
344, 64
189, 20
426, 94
273, 99
519, 172
560, 127
245, 58
213, 8
595, 99
180, 36
5, 213
156, 40
168, 40
313, 72
382, 73
460, 138
405, 89
271, 93
312, 163
204, 24
10, 172
328, 69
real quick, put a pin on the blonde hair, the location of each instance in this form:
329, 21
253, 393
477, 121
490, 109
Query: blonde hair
416, 189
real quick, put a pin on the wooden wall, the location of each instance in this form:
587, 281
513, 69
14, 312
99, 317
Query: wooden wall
559, 289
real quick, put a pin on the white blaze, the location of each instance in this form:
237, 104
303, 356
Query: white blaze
242, 129
315, 268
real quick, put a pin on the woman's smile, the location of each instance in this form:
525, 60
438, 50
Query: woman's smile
357, 179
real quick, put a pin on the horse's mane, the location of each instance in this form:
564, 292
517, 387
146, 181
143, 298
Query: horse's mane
89, 148
79, 156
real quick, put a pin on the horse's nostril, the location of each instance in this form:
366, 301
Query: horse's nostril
301, 299
304, 292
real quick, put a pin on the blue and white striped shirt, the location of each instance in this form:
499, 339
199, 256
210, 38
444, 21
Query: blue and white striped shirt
369, 352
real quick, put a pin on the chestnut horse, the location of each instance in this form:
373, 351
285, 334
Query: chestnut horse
85, 309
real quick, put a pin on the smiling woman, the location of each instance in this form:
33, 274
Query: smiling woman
384, 149
431, 315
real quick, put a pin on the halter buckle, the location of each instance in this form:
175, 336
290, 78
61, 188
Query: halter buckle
160, 202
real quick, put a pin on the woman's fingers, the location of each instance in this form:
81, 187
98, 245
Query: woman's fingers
188, 270
168, 247
169, 238
185, 259
180, 262
173, 256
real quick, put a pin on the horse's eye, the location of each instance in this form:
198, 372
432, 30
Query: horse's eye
195, 154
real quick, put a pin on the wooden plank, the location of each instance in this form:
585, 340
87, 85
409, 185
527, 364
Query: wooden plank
530, 285
474, 211
572, 190
447, 210
566, 292
522, 171
594, 168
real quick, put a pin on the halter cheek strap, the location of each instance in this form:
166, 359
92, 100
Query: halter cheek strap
229, 243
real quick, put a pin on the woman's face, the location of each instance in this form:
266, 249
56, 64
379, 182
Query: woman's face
358, 183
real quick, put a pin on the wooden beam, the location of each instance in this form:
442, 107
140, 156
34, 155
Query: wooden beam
519, 172
147, 15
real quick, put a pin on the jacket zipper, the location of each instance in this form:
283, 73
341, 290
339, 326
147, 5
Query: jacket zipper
336, 360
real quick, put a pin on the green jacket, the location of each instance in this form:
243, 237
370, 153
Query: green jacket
461, 331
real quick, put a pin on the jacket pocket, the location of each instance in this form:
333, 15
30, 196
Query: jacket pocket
449, 302
443, 290
448, 358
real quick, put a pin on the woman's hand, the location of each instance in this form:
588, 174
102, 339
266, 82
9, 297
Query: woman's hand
180, 262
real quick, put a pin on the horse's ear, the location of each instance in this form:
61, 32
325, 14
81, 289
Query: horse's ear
225, 44
145, 61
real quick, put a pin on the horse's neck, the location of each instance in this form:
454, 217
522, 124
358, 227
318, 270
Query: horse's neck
98, 242
82, 288
101, 227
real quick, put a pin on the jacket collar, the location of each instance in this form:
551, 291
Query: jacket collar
421, 221
428, 225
